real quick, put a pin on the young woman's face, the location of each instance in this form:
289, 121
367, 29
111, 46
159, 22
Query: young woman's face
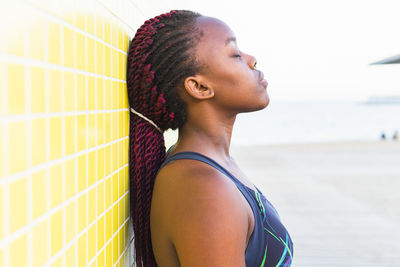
238, 86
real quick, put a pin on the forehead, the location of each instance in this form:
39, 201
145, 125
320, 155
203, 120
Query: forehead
214, 30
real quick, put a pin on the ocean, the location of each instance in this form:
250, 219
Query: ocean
284, 122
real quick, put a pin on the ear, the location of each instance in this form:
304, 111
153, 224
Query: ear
197, 88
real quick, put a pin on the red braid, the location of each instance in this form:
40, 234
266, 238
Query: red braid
148, 96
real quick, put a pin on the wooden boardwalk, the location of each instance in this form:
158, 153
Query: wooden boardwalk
340, 202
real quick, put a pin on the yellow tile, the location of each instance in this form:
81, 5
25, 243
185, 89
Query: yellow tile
2, 214
82, 174
69, 18
92, 133
115, 187
100, 198
70, 134
90, 55
99, 58
122, 153
81, 95
107, 32
70, 256
93, 242
58, 262
115, 218
94, 262
91, 93
120, 39
82, 213
100, 129
70, 216
80, 51
38, 90
56, 229
114, 35
126, 41
124, 94
107, 156
121, 218
55, 138
54, 42
127, 123
92, 205
121, 241
80, 21
99, 26
108, 225
108, 192
3, 151
100, 164
69, 91
109, 254
70, 182
121, 183
17, 146
1, 255
82, 250
90, 22
107, 61
120, 126
100, 93
114, 95
37, 40
15, 44
56, 185
127, 207
55, 91
107, 95
114, 60
115, 249
114, 157
115, 123
82, 132
17, 248
39, 198
39, 141
124, 62
100, 259
92, 168
40, 244
16, 89
100, 233
121, 70
107, 127
122, 210
68, 47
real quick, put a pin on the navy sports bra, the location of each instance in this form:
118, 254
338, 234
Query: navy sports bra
270, 243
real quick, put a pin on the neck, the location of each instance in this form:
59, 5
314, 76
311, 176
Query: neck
208, 134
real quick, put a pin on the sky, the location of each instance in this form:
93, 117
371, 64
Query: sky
316, 50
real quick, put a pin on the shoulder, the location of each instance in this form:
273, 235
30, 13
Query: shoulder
200, 209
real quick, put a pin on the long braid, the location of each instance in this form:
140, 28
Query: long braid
160, 57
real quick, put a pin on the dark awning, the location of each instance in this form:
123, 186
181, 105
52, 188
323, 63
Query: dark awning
390, 60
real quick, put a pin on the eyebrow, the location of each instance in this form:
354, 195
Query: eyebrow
230, 39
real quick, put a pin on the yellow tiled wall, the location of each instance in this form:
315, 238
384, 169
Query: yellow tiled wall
64, 131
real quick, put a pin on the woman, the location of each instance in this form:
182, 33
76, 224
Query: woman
194, 207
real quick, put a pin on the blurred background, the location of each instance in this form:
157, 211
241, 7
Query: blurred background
325, 151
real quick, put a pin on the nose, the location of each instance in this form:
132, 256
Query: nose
252, 61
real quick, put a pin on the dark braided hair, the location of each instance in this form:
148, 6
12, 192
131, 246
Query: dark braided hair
161, 56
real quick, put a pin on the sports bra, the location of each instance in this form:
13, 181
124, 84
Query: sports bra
269, 244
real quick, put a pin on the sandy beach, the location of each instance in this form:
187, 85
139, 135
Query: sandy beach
339, 201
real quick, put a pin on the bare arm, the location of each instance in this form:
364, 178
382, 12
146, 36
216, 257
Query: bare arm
207, 221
